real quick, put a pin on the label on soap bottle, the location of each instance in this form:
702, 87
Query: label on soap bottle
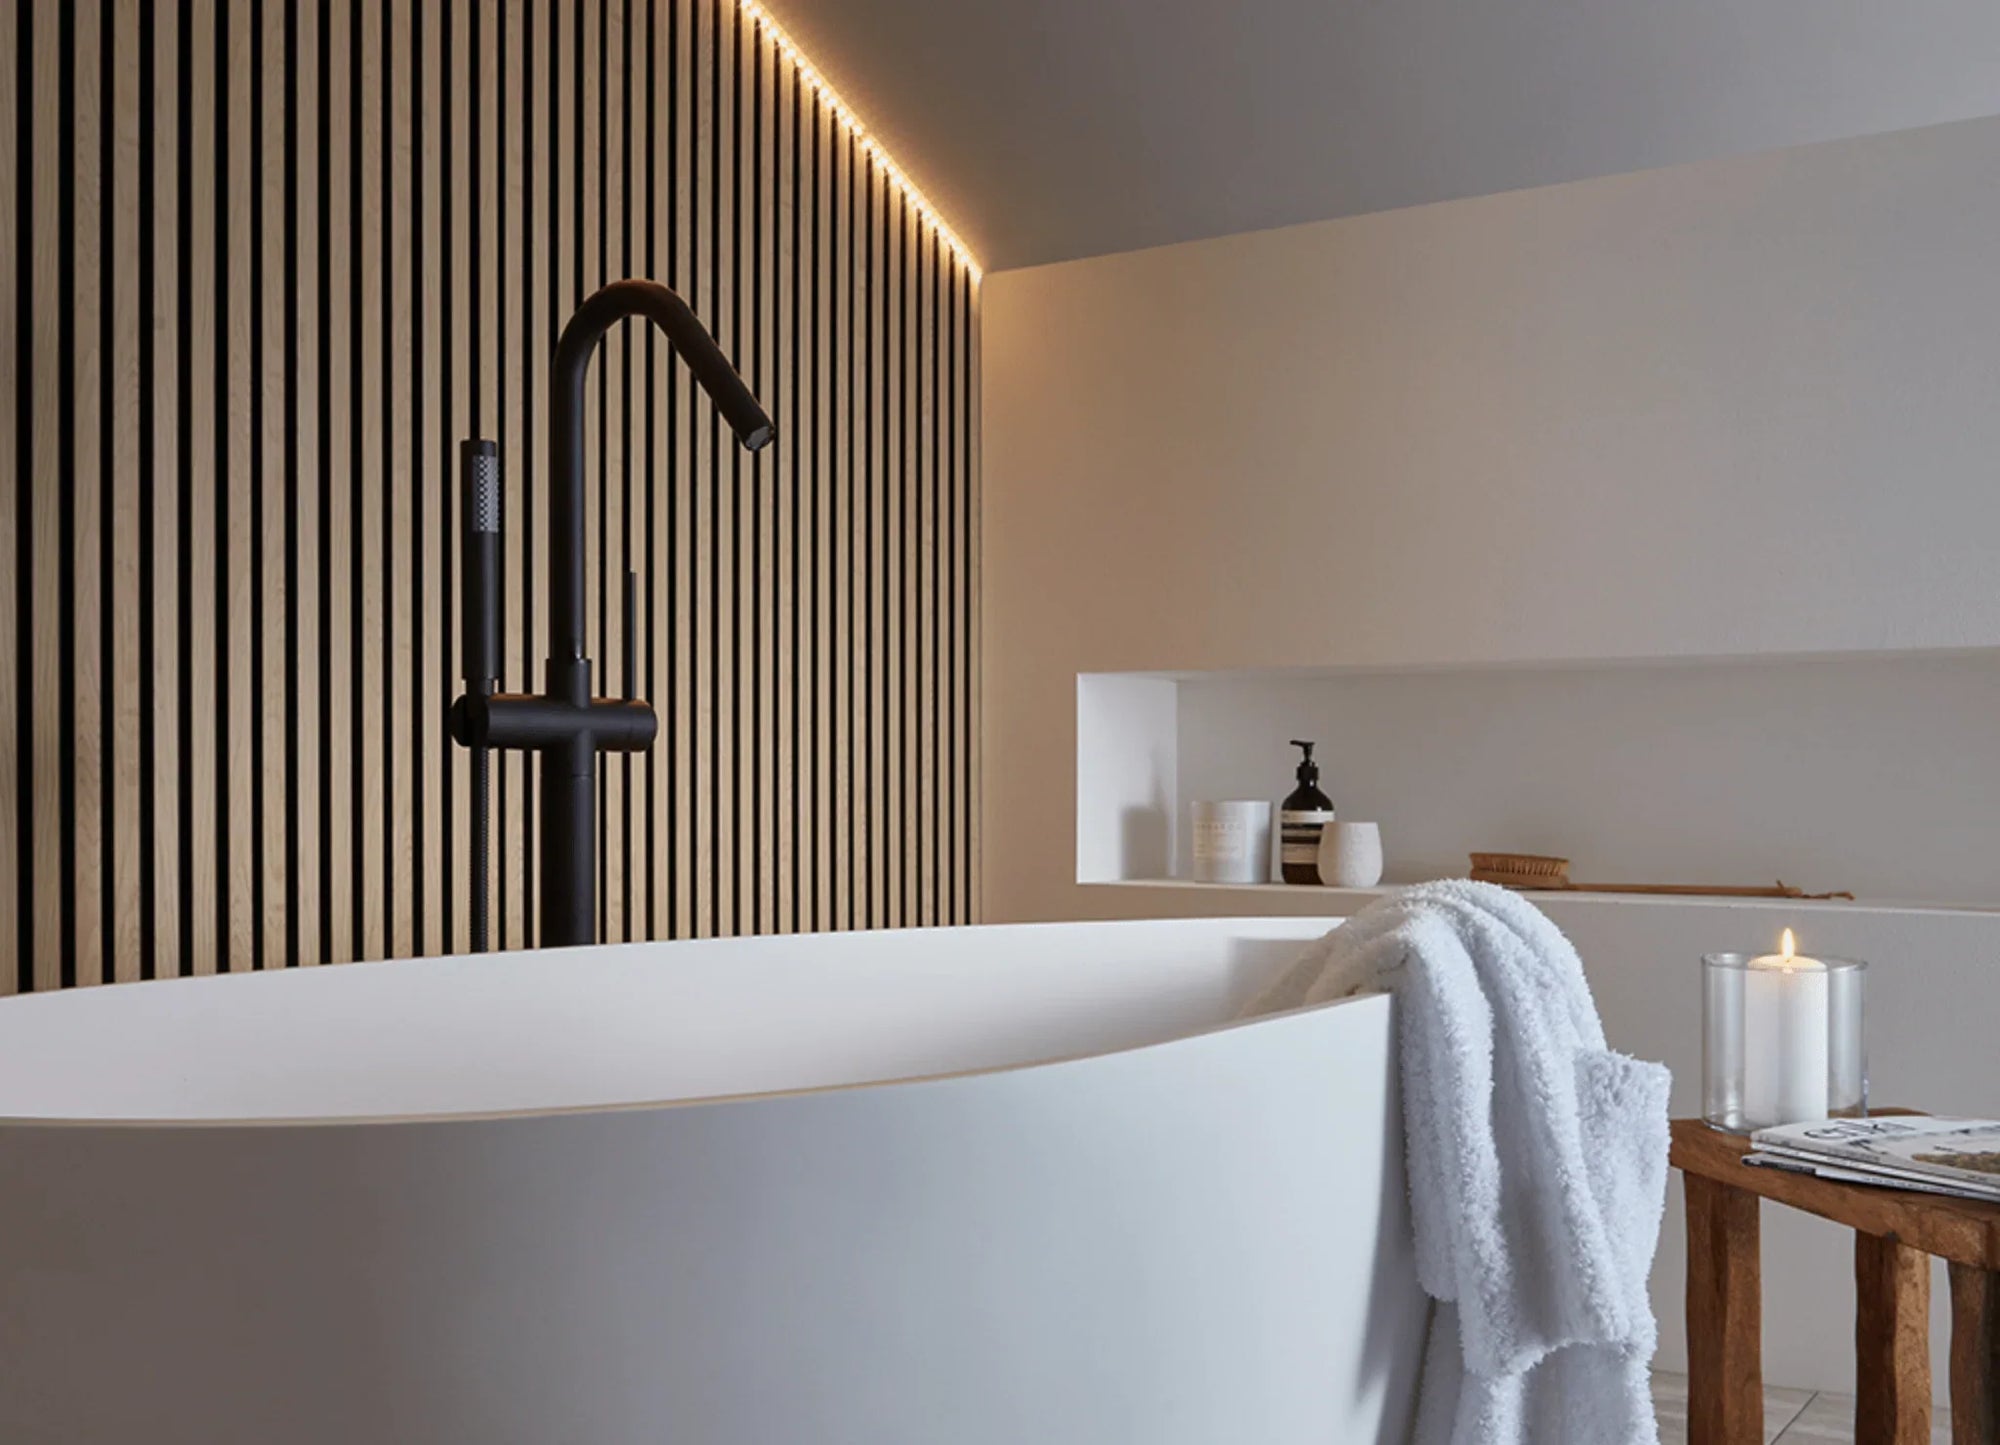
1299, 830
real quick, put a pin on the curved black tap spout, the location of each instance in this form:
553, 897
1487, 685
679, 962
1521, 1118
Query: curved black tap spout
567, 725
691, 341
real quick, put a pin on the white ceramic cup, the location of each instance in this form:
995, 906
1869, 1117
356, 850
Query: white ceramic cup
1230, 842
1350, 855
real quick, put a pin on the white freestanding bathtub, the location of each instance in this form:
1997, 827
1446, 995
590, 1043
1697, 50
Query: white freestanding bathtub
977, 1186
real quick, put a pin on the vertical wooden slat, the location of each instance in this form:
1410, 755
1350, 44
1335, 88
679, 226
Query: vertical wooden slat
236, 542
684, 226
646, 220
847, 710
459, 201
81, 482
371, 822
876, 650
430, 676
972, 775
791, 768
43, 321
196, 421
163, 663
757, 477
341, 761
703, 535
607, 455
732, 305
269, 912
304, 482
539, 256
404, 748
811, 527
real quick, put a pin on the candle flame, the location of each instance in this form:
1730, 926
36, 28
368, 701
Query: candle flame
1789, 945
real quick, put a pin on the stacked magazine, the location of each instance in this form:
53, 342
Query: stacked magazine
1960, 1157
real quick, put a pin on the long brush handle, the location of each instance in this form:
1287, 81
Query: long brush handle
1696, 890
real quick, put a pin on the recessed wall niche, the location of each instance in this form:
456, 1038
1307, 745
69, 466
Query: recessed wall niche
1875, 774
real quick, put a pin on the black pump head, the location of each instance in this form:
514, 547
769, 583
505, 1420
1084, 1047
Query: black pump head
1308, 769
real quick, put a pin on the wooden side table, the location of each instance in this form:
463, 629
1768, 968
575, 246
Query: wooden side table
1895, 1234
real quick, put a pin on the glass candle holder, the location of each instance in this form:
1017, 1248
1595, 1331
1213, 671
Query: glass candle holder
1781, 1039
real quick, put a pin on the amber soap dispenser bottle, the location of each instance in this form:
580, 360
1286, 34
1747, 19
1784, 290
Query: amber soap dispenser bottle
1301, 819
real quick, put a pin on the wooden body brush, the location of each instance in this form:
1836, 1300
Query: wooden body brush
1535, 871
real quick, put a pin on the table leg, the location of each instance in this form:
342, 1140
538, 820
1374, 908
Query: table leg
1724, 1315
1975, 1356
1892, 1346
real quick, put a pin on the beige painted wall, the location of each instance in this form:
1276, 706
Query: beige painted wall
1737, 409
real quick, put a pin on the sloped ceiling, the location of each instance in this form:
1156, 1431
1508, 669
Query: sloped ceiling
1051, 129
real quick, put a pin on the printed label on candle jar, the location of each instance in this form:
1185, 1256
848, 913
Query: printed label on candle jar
1219, 840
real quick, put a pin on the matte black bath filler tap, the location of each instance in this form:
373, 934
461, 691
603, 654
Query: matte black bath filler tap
566, 724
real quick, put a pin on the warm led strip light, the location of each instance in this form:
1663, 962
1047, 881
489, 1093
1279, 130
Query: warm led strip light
844, 113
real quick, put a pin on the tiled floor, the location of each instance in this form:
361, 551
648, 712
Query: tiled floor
1793, 1417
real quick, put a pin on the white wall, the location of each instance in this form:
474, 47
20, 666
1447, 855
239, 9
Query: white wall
1740, 408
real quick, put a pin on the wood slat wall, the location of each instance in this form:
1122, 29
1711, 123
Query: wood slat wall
268, 261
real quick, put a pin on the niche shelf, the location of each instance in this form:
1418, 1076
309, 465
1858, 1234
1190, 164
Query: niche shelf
1874, 773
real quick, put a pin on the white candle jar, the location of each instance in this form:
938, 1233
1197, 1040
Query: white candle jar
1230, 842
1781, 1040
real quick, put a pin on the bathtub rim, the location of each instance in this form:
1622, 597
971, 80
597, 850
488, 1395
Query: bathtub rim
275, 1121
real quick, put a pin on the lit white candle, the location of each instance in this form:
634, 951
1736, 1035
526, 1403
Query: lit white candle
1784, 1038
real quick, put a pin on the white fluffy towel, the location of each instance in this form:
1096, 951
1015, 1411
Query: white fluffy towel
1537, 1164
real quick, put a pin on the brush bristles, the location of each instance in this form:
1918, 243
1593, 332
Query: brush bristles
1520, 870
